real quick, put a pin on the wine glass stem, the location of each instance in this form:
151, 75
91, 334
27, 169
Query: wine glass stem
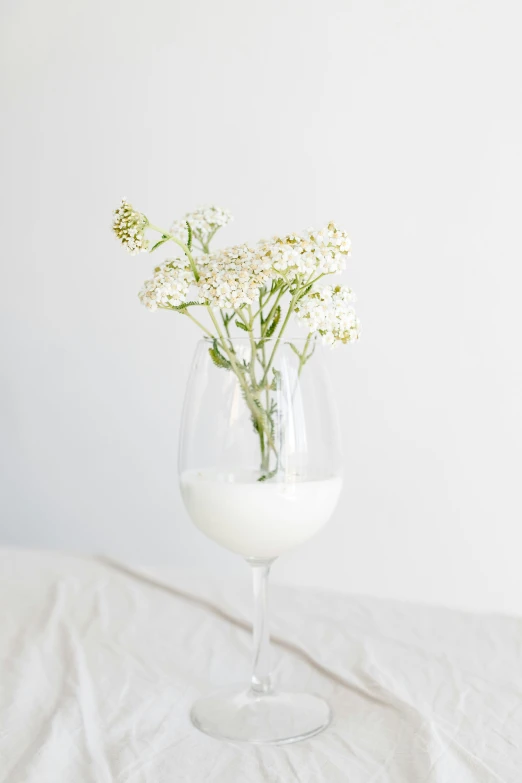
261, 682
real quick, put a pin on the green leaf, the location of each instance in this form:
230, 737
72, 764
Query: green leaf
184, 305
189, 240
158, 244
276, 380
304, 292
241, 325
312, 351
294, 349
217, 357
275, 320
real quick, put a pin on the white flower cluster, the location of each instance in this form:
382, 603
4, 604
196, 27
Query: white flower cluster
315, 253
327, 311
129, 226
169, 286
232, 277
204, 222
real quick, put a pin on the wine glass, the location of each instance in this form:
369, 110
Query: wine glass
260, 473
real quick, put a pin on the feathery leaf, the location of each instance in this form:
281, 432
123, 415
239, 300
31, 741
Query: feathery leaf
184, 305
294, 349
275, 320
217, 357
158, 244
304, 292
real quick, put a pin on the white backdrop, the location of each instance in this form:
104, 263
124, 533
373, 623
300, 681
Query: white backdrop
402, 121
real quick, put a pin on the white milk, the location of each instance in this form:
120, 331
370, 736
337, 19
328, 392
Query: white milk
258, 518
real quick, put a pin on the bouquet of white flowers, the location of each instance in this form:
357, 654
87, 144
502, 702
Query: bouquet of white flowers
255, 289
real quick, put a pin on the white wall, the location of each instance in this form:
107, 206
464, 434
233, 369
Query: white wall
401, 121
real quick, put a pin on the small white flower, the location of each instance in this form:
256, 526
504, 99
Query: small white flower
314, 253
129, 226
169, 286
232, 277
204, 222
327, 311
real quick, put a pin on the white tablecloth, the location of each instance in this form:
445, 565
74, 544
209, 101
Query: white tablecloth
100, 664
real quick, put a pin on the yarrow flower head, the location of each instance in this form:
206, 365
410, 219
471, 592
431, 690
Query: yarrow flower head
204, 222
315, 252
129, 226
169, 286
232, 277
327, 311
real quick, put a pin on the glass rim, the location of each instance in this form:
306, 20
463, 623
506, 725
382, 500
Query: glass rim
247, 340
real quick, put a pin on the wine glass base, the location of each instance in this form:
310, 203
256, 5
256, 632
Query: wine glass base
263, 719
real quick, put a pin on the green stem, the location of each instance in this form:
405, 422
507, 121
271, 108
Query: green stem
303, 357
315, 279
225, 323
269, 317
263, 304
265, 464
265, 454
232, 360
282, 330
181, 245
240, 315
198, 323
253, 353
254, 408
